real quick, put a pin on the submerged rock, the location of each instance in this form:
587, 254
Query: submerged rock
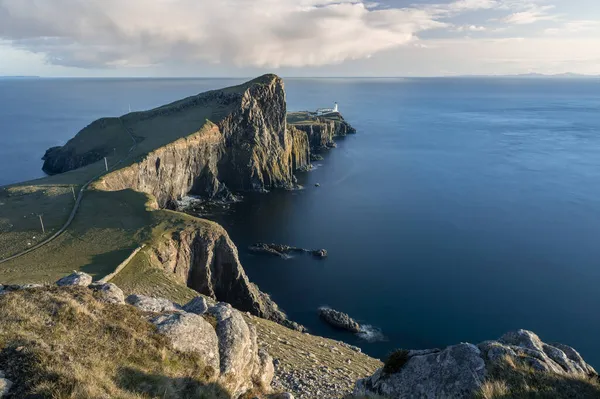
76, 278
339, 319
283, 251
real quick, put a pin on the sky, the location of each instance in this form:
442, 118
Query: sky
241, 38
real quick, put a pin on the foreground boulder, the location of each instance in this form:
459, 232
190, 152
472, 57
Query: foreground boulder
241, 362
76, 278
191, 333
339, 320
464, 370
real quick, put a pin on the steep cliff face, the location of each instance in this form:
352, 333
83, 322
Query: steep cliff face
232, 139
322, 131
206, 260
189, 164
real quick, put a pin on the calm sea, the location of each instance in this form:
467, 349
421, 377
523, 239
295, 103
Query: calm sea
464, 208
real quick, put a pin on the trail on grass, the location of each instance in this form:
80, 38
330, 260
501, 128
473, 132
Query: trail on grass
77, 202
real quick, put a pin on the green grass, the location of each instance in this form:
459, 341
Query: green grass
92, 350
141, 277
19, 209
107, 228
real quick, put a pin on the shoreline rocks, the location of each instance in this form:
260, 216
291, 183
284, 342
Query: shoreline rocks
283, 251
339, 320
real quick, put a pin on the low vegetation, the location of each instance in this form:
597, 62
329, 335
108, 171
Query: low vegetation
515, 380
395, 361
62, 343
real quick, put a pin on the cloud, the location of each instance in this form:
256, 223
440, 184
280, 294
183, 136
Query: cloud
534, 14
470, 28
574, 27
261, 33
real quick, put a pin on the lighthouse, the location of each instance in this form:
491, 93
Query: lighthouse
335, 107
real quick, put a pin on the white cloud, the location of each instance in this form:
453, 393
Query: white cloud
263, 33
573, 27
534, 14
470, 28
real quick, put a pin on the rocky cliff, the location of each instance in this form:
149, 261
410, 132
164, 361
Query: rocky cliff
206, 260
322, 130
232, 139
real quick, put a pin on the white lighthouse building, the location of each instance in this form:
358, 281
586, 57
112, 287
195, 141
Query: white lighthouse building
325, 111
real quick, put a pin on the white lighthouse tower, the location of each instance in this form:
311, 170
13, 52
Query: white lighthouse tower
335, 107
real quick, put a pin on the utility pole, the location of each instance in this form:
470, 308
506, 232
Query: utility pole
42, 223
73, 191
106, 164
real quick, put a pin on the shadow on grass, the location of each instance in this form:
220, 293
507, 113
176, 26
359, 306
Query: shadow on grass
107, 262
156, 385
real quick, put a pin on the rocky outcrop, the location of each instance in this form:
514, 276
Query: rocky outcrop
283, 251
321, 131
459, 371
244, 145
206, 260
339, 320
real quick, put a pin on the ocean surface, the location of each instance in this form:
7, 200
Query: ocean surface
462, 209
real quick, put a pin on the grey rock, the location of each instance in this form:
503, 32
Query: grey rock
191, 333
108, 293
198, 305
319, 253
149, 304
458, 371
5, 385
76, 278
339, 319
285, 395
242, 365
455, 372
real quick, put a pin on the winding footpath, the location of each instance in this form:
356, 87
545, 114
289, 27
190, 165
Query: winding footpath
77, 202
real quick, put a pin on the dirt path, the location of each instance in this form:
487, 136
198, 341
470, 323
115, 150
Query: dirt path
77, 202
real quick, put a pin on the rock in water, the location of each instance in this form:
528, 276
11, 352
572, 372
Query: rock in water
191, 333
155, 305
109, 293
76, 278
319, 253
339, 320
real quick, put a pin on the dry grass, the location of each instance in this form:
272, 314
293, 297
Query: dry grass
61, 343
512, 379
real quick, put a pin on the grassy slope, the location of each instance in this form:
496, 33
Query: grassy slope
51, 196
93, 350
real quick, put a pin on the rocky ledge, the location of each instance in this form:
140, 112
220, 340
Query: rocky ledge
516, 365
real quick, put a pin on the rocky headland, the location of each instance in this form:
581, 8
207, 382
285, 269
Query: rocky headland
164, 308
